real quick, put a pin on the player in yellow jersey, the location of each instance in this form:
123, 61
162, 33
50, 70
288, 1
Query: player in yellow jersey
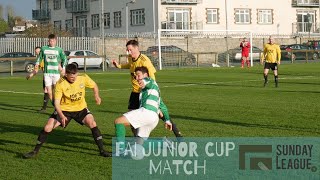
271, 58
70, 104
136, 59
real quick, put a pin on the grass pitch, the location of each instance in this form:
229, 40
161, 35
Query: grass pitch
211, 102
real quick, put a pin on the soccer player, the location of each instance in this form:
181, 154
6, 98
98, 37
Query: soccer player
245, 48
146, 117
52, 56
271, 57
45, 93
70, 104
136, 59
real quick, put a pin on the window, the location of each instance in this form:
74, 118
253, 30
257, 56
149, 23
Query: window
242, 16
69, 24
106, 20
137, 17
117, 19
265, 16
89, 53
56, 4
212, 16
95, 21
79, 53
57, 25
178, 19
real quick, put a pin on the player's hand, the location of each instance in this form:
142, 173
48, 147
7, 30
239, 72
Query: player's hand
115, 63
63, 120
29, 76
63, 71
278, 62
168, 125
98, 100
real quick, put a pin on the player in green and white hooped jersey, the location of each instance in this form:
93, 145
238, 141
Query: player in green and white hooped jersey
54, 63
146, 118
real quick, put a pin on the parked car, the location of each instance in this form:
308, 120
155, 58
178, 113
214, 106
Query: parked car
170, 55
18, 65
286, 52
92, 62
236, 55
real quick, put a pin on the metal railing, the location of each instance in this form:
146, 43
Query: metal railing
181, 1
182, 25
310, 3
41, 14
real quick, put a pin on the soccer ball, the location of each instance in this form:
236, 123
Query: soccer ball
137, 152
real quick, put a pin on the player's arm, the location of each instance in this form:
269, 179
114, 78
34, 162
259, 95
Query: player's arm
33, 73
278, 55
39, 60
263, 55
121, 66
64, 62
248, 45
57, 99
166, 118
89, 83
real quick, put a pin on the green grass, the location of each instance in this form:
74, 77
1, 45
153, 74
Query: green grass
224, 102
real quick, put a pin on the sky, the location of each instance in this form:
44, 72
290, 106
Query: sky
21, 7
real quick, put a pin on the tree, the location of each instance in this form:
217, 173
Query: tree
3, 26
44, 30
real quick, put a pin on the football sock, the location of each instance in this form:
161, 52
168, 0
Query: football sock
45, 101
41, 139
175, 130
265, 77
276, 80
97, 138
121, 135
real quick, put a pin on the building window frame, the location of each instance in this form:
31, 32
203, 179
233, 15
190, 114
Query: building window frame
117, 19
107, 20
264, 16
56, 4
57, 25
69, 24
137, 17
242, 16
212, 15
95, 21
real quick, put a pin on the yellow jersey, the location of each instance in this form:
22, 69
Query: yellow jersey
271, 53
72, 95
132, 64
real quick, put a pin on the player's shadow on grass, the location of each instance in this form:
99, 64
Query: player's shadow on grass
250, 125
57, 136
20, 108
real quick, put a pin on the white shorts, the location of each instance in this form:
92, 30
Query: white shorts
143, 120
51, 79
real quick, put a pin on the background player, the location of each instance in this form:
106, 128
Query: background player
272, 57
245, 48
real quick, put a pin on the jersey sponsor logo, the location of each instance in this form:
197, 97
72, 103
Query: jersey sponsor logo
76, 97
50, 52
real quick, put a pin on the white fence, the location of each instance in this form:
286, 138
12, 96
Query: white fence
66, 43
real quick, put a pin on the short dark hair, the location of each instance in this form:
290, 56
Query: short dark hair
38, 47
71, 69
143, 69
133, 43
52, 36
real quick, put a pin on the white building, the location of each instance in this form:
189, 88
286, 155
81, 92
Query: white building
84, 18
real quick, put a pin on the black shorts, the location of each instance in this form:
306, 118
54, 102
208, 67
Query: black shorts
134, 102
43, 84
272, 66
77, 116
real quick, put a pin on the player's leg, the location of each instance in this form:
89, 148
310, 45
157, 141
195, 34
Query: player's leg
247, 60
242, 60
45, 97
265, 73
51, 124
120, 124
134, 104
89, 121
275, 73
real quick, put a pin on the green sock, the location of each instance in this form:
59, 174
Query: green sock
121, 135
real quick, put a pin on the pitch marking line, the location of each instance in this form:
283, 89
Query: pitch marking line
177, 85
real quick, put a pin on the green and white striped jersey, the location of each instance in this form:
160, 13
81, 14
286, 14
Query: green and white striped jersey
52, 56
150, 98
